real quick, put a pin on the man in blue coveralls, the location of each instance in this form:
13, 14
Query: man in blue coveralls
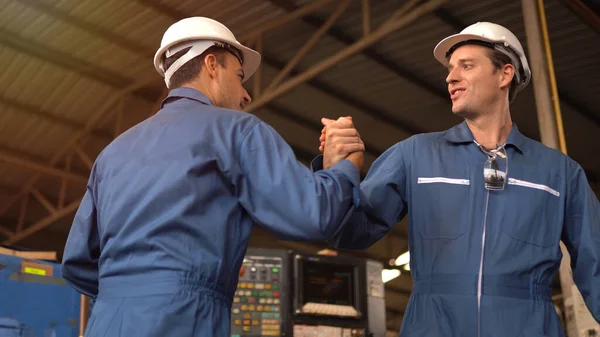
161, 232
487, 206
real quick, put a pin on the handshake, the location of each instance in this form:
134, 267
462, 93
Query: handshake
340, 140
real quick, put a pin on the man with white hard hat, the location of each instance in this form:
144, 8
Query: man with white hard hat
160, 235
487, 206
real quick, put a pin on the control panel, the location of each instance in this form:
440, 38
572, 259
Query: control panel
288, 293
260, 295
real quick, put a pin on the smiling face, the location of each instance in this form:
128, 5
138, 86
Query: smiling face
474, 83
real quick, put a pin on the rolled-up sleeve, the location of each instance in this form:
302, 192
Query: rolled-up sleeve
284, 196
581, 236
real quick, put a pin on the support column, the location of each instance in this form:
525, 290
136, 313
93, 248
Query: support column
540, 61
578, 319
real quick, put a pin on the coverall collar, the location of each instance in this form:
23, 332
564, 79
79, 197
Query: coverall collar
461, 134
186, 92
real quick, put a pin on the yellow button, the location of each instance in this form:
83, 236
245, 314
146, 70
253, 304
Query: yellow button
250, 285
238, 322
259, 308
242, 285
251, 307
236, 300
268, 286
246, 329
246, 316
255, 322
244, 307
246, 322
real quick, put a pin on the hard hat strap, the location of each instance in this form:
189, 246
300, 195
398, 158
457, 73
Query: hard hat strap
197, 48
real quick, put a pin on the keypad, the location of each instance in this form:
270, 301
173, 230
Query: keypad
256, 309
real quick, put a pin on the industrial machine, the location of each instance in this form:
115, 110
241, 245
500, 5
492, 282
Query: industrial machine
35, 300
260, 301
287, 293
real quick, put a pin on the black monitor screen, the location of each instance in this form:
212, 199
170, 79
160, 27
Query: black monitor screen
328, 283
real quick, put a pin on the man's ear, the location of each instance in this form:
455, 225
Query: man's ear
210, 64
508, 72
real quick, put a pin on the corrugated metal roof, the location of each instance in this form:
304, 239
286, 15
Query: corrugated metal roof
62, 60
575, 50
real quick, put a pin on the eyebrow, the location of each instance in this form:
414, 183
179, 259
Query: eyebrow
460, 61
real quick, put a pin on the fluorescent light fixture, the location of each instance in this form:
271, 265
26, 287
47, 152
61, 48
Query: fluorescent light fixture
389, 274
403, 259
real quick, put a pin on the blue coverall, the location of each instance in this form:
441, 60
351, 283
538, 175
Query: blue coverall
459, 231
160, 235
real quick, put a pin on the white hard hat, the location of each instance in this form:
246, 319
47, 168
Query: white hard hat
491, 35
201, 33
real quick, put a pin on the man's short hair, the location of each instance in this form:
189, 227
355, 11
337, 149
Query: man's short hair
499, 59
191, 69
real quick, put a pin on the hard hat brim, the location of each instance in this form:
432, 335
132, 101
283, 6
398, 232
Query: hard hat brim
251, 61
439, 52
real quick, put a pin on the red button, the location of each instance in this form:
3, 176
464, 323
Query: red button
242, 271
276, 294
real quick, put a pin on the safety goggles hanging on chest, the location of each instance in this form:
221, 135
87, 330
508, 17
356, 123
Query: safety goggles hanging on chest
495, 169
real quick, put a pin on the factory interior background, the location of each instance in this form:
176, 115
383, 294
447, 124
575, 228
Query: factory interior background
76, 74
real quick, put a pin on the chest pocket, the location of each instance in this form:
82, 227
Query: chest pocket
536, 216
442, 204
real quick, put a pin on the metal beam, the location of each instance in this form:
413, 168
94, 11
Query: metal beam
399, 19
369, 53
104, 111
43, 223
334, 92
41, 168
18, 224
70, 63
6, 232
408, 75
366, 17
255, 32
307, 46
588, 12
295, 13
65, 16
48, 116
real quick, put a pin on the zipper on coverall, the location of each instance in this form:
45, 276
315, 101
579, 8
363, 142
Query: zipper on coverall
480, 275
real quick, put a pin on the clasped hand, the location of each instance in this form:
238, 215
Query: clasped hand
340, 140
